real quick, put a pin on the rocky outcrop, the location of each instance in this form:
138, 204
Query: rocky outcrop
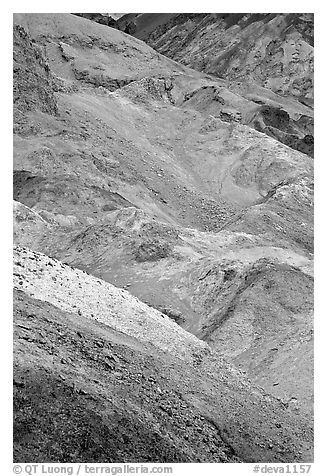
33, 81
102, 18
277, 123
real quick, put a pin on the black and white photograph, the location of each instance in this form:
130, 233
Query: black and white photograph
163, 240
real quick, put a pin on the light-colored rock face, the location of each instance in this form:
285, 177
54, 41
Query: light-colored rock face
75, 291
191, 192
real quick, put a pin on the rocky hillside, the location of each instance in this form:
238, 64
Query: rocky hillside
274, 51
159, 208
101, 371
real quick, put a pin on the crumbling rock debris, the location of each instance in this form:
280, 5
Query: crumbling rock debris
33, 81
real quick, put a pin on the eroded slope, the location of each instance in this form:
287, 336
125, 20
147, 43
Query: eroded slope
150, 176
251, 51
236, 420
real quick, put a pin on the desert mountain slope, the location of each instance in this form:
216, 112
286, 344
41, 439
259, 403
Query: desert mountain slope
142, 330
105, 396
141, 173
274, 50
100, 301
251, 51
135, 146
